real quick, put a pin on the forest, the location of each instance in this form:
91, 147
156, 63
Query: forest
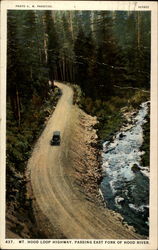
104, 54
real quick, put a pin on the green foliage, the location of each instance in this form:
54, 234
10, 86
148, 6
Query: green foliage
109, 113
139, 97
136, 47
20, 141
27, 74
29, 101
77, 94
84, 47
52, 46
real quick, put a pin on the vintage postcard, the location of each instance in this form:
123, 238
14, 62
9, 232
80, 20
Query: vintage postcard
78, 110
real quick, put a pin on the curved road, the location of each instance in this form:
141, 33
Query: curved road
55, 195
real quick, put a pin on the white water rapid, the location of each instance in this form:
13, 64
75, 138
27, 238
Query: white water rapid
125, 184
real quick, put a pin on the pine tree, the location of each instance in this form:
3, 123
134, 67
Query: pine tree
12, 66
27, 74
66, 54
108, 55
137, 49
53, 46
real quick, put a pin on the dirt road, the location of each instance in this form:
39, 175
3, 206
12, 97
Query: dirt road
53, 189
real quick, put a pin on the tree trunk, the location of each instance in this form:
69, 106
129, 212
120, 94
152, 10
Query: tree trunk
45, 41
138, 29
71, 25
92, 21
61, 71
37, 39
64, 68
31, 73
18, 107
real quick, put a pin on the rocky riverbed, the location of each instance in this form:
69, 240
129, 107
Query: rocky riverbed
125, 184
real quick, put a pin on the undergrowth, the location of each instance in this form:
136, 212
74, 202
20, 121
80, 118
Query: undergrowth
20, 143
109, 113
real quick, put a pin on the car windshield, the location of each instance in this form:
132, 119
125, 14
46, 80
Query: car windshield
55, 136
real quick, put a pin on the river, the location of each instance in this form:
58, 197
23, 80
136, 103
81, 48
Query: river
125, 184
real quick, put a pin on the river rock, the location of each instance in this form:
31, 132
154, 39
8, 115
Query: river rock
135, 168
121, 135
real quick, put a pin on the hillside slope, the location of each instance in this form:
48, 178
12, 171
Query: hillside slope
64, 179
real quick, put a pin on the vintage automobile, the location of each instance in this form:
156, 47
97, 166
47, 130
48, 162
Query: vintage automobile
55, 141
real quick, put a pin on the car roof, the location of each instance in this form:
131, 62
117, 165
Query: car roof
56, 133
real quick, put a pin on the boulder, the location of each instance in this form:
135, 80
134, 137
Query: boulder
135, 168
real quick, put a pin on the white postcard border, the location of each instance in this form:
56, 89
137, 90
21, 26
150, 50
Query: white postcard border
83, 5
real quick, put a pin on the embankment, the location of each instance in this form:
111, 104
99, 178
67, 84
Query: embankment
81, 174
62, 182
